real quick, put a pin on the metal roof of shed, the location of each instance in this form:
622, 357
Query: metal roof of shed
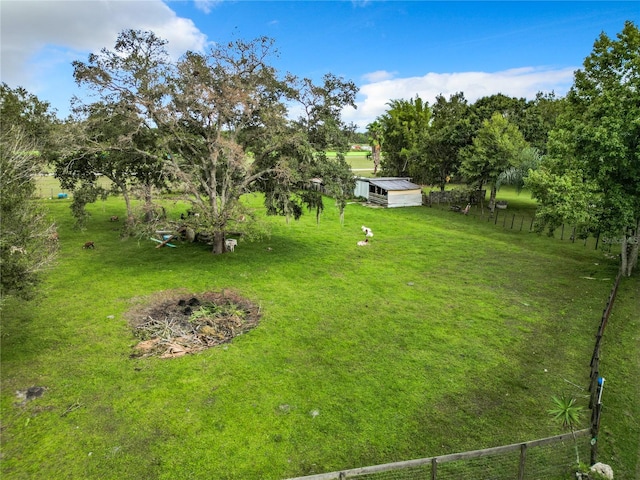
394, 184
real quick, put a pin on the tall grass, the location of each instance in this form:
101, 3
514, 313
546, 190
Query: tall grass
442, 335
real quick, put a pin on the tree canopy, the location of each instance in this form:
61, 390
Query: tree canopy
218, 124
402, 128
449, 132
592, 173
27, 241
428, 143
497, 146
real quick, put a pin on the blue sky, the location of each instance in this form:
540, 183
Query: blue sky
390, 49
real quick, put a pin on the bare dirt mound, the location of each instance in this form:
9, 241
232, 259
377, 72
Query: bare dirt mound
174, 323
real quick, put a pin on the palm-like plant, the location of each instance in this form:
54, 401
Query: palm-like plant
568, 414
529, 159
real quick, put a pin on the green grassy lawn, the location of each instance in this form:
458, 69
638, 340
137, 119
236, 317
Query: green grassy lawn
445, 334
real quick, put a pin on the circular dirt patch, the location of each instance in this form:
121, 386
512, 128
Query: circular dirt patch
174, 323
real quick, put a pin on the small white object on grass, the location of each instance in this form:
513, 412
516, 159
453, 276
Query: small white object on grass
367, 231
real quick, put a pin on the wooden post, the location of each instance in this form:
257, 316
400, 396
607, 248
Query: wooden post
434, 468
523, 458
593, 384
513, 220
521, 222
531, 226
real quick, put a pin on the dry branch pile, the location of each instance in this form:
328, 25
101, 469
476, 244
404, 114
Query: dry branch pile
174, 323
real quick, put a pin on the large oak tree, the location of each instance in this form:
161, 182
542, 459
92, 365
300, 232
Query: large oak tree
218, 122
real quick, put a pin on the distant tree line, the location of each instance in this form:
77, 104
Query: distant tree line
579, 155
455, 141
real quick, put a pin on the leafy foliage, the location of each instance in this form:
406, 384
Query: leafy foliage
403, 127
217, 123
84, 194
27, 241
527, 162
109, 140
594, 153
496, 147
449, 133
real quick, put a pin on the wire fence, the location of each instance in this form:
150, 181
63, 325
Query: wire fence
596, 383
520, 222
552, 458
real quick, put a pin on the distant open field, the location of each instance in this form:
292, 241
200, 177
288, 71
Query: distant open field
360, 164
49, 187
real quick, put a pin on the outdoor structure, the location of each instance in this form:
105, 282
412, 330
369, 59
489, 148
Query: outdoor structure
389, 191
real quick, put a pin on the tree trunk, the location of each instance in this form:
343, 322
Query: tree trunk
127, 202
492, 198
218, 242
623, 255
629, 252
149, 213
633, 255
376, 158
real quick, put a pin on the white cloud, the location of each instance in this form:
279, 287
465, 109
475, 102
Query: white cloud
38, 36
206, 5
378, 76
518, 82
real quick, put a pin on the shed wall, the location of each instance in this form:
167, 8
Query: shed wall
405, 198
362, 189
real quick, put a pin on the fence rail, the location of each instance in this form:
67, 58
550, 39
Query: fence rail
506, 462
